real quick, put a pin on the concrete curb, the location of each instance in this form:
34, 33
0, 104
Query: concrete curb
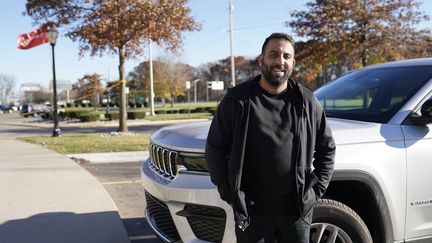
111, 157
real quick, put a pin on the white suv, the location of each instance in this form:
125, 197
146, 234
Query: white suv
381, 190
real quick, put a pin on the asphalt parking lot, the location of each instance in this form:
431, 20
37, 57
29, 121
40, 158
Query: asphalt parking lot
122, 182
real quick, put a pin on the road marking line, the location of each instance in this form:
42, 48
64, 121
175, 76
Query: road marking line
142, 237
121, 182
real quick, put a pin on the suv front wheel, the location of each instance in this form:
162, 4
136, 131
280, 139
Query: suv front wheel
337, 223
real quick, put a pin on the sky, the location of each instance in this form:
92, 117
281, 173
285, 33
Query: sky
253, 21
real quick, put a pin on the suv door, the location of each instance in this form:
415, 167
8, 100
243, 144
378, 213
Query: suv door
418, 142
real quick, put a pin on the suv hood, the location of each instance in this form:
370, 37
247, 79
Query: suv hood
191, 137
351, 132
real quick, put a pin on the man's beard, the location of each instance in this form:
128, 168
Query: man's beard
271, 78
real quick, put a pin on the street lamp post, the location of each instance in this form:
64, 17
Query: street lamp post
52, 38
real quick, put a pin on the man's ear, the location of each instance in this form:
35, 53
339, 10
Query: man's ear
294, 62
260, 58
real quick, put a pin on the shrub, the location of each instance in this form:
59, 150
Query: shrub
88, 117
46, 115
199, 110
62, 114
183, 111
131, 104
70, 105
75, 114
135, 115
161, 112
139, 105
112, 116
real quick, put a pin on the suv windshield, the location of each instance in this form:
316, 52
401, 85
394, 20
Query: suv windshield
372, 95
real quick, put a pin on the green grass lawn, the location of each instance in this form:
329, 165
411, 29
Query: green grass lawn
92, 143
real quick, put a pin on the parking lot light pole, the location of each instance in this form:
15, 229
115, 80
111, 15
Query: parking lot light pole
52, 38
195, 89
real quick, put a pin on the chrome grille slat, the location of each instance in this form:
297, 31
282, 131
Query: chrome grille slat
171, 163
163, 161
152, 154
158, 157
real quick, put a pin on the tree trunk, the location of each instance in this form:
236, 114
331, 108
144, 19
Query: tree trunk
122, 109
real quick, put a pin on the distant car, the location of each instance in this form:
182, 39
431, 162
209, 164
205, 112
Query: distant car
33, 110
381, 119
6, 109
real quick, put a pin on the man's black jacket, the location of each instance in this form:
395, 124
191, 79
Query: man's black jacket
226, 143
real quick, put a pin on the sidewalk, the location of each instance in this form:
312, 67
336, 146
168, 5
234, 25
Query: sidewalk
47, 198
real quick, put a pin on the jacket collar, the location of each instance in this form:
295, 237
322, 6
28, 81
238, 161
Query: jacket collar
242, 91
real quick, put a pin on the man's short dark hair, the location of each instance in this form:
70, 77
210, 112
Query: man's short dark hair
276, 36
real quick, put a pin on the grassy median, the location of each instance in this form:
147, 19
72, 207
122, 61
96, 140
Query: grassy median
92, 143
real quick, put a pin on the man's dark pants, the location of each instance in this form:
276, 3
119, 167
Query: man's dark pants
270, 228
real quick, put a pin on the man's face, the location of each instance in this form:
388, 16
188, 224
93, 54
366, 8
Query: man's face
277, 62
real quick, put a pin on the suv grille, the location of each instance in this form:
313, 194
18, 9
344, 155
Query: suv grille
163, 161
160, 215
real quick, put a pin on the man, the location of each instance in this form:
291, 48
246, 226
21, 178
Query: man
264, 138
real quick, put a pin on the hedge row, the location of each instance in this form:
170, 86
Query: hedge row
183, 110
88, 115
132, 115
130, 104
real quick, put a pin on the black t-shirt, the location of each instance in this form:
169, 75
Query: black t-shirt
268, 176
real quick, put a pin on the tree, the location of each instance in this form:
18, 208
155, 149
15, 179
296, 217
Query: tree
169, 77
346, 34
245, 69
7, 83
40, 96
176, 74
142, 73
88, 87
117, 26
136, 90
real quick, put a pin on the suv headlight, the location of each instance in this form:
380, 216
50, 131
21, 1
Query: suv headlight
193, 161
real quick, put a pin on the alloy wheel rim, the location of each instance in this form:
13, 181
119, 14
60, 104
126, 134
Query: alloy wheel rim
329, 233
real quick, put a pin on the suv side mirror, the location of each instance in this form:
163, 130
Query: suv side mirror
426, 114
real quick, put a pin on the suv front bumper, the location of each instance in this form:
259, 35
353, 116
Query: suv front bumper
187, 207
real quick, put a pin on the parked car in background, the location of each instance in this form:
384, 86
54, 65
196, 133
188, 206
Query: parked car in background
6, 109
33, 109
381, 119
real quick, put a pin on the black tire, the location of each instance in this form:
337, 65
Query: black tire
335, 222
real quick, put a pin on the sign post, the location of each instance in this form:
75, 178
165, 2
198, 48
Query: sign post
188, 87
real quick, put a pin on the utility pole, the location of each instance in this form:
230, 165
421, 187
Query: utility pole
231, 9
152, 110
